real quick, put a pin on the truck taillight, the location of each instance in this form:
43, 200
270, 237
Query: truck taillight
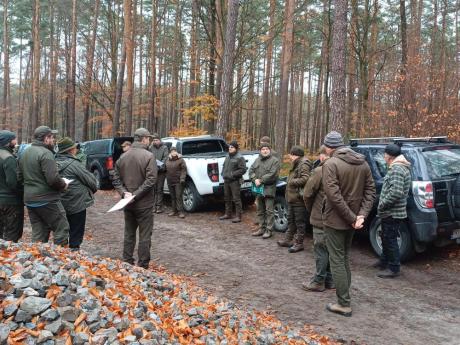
423, 193
213, 172
109, 163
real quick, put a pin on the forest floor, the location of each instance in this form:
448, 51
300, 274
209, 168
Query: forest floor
420, 307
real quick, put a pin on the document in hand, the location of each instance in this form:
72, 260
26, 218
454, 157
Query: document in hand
67, 181
121, 204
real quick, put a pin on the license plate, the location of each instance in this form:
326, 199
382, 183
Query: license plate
246, 184
455, 234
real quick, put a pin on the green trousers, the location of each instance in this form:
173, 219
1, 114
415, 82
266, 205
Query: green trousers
339, 246
11, 222
49, 218
265, 212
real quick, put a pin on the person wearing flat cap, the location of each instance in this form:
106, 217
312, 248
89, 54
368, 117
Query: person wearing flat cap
11, 206
392, 209
79, 195
264, 174
349, 196
161, 153
42, 188
297, 213
135, 176
233, 170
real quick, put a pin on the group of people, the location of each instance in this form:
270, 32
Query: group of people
55, 187
334, 198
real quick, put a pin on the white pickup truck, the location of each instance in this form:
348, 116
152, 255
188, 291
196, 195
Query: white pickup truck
205, 157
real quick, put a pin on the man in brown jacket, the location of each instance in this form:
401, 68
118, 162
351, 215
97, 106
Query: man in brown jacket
297, 213
313, 196
176, 172
350, 194
135, 175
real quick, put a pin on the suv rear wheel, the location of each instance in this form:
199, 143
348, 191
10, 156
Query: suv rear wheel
281, 213
98, 177
406, 247
191, 199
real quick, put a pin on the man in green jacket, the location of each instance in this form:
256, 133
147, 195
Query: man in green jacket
264, 174
79, 196
232, 172
350, 194
161, 153
392, 209
297, 213
11, 206
42, 188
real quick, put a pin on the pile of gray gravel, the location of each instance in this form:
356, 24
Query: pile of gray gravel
50, 295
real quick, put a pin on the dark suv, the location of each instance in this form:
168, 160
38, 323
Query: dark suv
101, 156
433, 206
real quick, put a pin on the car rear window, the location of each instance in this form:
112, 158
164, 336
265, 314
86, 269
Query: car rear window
202, 146
442, 162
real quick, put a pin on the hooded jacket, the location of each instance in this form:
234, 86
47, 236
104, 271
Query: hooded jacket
136, 172
176, 170
79, 195
10, 191
313, 196
298, 177
234, 167
39, 174
349, 188
267, 170
395, 189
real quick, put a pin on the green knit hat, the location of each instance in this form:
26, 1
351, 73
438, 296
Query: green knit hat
66, 144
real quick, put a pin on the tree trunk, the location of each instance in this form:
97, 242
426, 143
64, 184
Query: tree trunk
286, 60
151, 121
72, 95
403, 68
265, 122
227, 66
6, 69
36, 68
339, 39
119, 94
128, 41
89, 70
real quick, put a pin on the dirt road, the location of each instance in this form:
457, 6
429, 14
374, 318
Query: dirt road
421, 307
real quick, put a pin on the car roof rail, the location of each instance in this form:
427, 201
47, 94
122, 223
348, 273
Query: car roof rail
356, 141
400, 140
437, 139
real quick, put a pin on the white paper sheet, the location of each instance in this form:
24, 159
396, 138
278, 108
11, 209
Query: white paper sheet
121, 204
67, 181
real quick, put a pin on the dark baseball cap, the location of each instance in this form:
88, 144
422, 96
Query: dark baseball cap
43, 131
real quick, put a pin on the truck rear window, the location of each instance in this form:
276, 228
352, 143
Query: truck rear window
442, 162
204, 146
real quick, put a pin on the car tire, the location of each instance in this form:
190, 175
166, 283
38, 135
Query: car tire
406, 247
281, 214
98, 176
191, 199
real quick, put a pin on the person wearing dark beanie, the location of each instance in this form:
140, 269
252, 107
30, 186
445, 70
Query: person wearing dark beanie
11, 207
392, 209
349, 196
297, 213
233, 170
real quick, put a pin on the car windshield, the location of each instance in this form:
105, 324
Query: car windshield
202, 146
442, 162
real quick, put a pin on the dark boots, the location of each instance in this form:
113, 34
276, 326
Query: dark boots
225, 216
